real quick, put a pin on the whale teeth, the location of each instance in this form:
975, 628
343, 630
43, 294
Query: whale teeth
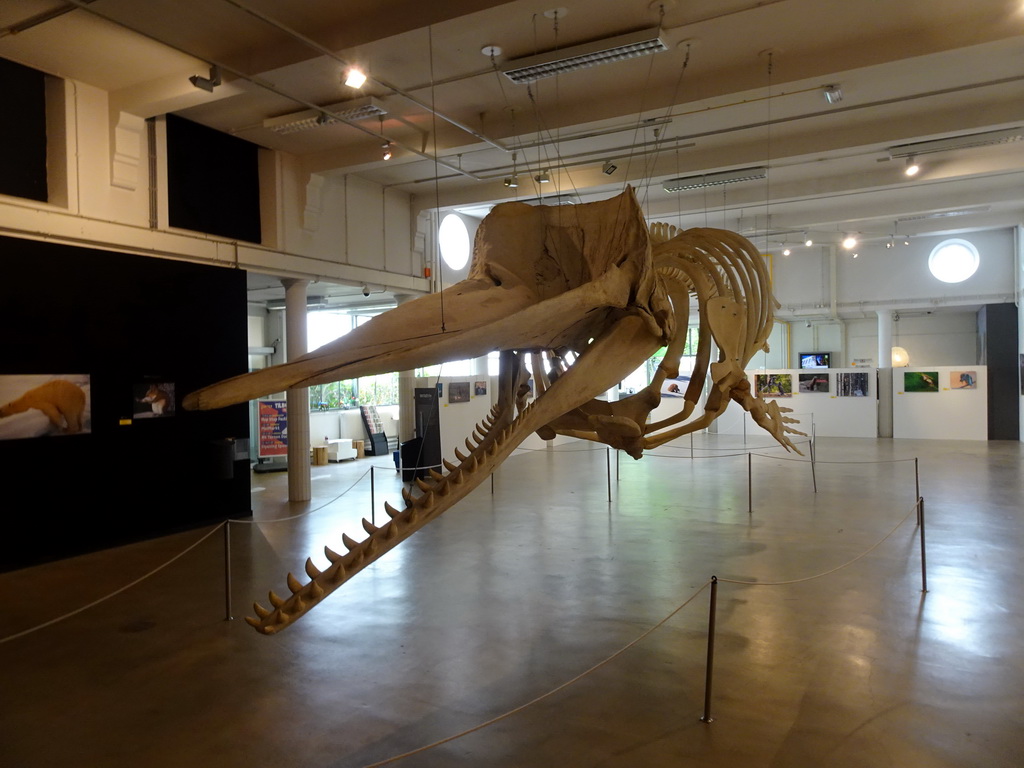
436, 476
293, 584
331, 554
275, 601
349, 541
311, 570
392, 532
449, 466
252, 622
460, 455
369, 527
423, 485
407, 495
315, 590
392, 512
260, 611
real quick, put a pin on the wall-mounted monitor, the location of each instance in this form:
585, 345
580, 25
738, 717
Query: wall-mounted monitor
815, 359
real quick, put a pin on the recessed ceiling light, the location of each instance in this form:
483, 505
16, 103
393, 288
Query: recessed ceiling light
354, 78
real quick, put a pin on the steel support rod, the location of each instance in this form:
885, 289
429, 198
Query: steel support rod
691, 445
924, 566
227, 571
373, 498
814, 474
492, 483
706, 717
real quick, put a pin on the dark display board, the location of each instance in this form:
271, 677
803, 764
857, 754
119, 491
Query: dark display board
23, 132
213, 181
997, 348
136, 335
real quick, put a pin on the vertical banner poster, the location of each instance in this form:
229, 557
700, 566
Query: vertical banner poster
273, 428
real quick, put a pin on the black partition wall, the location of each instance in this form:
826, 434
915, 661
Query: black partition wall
135, 334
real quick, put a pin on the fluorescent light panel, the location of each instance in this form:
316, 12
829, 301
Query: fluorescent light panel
354, 109
629, 46
984, 139
714, 179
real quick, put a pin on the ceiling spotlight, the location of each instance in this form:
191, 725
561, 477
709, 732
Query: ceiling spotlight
808, 242
609, 168
207, 83
387, 150
912, 167
833, 94
890, 243
542, 178
856, 255
512, 181
354, 78
786, 251
849, 241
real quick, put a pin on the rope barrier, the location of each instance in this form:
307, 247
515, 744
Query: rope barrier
831, 571
550, 693
115, 592
301, 514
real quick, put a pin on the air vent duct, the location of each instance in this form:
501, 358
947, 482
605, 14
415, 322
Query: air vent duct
354, 109
714, 179
630, 46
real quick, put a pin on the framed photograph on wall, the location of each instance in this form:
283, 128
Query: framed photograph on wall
45, 405
920, 381
852, 385
458, 392
963, 379
813, 382
774, 384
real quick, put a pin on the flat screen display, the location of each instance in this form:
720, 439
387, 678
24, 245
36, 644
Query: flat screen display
815, 359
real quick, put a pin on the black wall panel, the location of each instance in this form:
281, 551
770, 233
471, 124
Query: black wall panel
997, 337
122, 320
23, 132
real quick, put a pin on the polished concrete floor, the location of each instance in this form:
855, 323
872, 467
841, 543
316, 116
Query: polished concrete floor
517, 591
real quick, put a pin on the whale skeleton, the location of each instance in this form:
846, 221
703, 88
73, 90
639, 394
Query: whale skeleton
588, 293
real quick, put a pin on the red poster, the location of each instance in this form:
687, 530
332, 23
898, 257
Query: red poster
273, 428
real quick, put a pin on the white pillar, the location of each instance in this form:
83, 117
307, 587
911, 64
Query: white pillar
299, 484
884, 373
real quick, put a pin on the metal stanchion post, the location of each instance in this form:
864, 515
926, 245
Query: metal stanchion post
608, 466
917, 490
924, 568
691, 445
373, 498
814, 475
492, 483
743, 418
227, 571
617, 465
750, 485
706, 717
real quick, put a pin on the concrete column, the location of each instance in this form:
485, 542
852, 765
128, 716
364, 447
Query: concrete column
299, 484
884, 373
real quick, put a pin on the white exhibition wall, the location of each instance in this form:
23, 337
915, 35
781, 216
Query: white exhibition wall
940, 403
832, 413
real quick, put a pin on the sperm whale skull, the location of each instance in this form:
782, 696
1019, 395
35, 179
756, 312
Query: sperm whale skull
588, 293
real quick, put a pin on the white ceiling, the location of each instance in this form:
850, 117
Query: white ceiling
741, 85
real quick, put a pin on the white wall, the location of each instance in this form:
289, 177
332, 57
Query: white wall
948, 414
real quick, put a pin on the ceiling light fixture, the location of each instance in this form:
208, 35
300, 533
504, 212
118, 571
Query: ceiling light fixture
849, 242
786, 251
512, 181
968, 141
808, 241
354, 78
912, 167
629, 46
387, 150
543, 177
714, 179
609, 168
351, 110
833, 93
207, 83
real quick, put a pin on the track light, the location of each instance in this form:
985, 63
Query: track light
609, 168
512, 181
543, 177
387, 150
207, 83
912, 167
354, 78
849, 242
833, 94
808, 242
786, 251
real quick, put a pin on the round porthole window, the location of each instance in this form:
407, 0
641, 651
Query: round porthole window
453, 238
953, 261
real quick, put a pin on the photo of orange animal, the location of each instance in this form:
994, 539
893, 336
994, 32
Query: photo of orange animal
62, 401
